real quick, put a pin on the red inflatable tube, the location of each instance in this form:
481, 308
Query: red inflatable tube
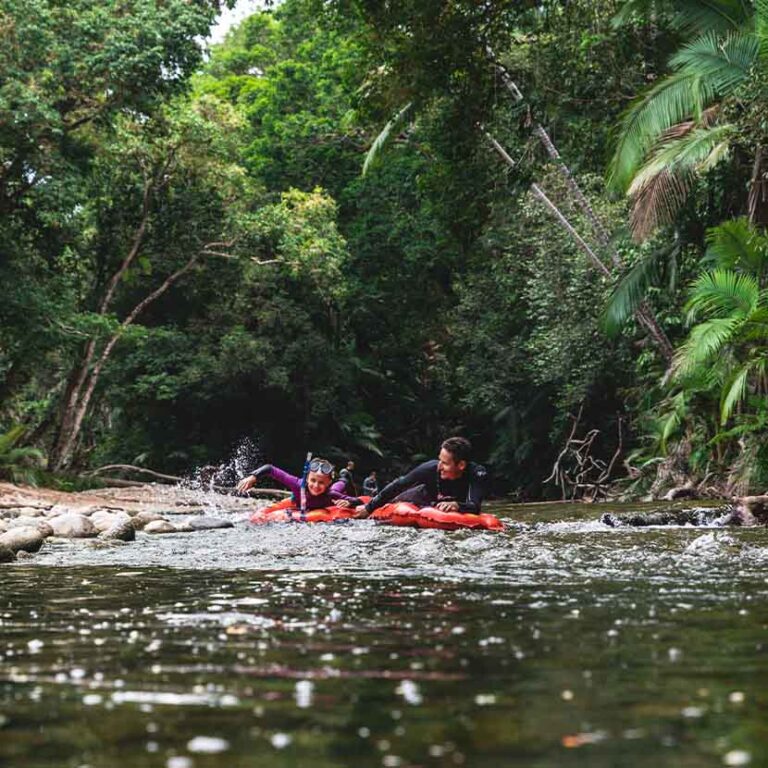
403, 513
400, 513
285, 512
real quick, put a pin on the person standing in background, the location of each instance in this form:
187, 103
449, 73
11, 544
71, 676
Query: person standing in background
349, 481
371, 484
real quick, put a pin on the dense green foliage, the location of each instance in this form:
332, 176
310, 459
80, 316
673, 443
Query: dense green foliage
191, 254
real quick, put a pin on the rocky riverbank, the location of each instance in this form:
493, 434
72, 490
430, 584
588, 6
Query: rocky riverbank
116, 516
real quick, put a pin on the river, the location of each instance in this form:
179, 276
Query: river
559, 642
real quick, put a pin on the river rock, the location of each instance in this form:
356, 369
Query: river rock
121, 530
160, 526
72, 526
206, 523
27, 538
104, 520
142, 519
25, 522
687, 491
7, 555
753, 509
26, 512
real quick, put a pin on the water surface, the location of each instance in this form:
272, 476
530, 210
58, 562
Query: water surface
561, 641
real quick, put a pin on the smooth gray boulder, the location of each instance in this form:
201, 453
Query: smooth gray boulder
104, 520
206, 523
121, 530
142, 519
7, 555
160, 526
72, 526
25, 538
26, 522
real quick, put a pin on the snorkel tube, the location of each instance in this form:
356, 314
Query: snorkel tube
303, 488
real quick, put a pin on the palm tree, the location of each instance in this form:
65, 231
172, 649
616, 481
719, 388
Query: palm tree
676, 130
729, 303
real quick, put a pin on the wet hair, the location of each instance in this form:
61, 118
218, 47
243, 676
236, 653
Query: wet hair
459, 447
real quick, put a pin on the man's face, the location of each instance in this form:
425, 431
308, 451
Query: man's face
448, 467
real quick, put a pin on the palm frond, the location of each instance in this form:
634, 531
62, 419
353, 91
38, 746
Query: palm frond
704, 342
698, 16
383, 137
706, 69
689, 16
736, 244
761, 27
632, 288
723, 62
672, 419
723, 293
9, 439
661, 186
756, 327
734, 392
668, 103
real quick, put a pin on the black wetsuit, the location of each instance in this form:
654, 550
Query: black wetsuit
349, 482
370, 486
424, 487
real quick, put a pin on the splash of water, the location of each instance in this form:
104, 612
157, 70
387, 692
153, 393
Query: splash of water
227, 473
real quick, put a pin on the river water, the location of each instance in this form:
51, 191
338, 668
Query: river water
559, 642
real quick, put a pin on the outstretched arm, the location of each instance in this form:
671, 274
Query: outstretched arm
417, 476
291, 482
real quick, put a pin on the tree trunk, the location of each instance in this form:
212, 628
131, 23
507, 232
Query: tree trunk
85, 379
643, 314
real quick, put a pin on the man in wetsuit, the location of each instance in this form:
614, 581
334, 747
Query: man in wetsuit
450, 483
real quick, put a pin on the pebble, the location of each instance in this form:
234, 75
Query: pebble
7, 555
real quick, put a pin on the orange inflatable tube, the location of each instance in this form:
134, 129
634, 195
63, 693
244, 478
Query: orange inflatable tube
400, 513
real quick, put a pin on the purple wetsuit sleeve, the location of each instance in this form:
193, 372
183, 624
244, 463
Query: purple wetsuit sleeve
339, 486
339, 495
291, 482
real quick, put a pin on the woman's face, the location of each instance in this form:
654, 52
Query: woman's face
317, 483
